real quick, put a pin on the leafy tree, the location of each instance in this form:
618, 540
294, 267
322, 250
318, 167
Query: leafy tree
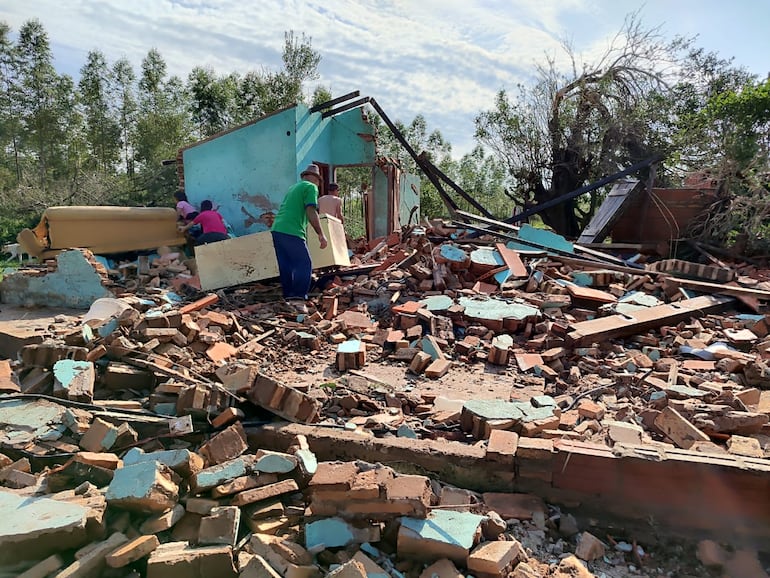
212, 100
571, 128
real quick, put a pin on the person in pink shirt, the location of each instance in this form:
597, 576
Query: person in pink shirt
184, 210
212, 225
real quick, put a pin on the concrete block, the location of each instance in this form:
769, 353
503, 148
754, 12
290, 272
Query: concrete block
572, 567
220, 526
443, 534
183, 462
132, 551
625, 433
501, 446
100, 437
145, 487
178, 559
225, 446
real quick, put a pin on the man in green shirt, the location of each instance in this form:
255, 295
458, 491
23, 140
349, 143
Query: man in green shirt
289, 230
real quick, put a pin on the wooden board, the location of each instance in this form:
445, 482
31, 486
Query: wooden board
512, 260
610, 211
723, 289
336, 253
252, 257
604, 328
235, 261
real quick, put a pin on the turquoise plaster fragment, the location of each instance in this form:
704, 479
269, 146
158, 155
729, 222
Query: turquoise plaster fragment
350, 346
36, 418
219, 474
132, 485
502, 276
543, 401
308, 461
686, 391
453, 253
27, 517
174, 459
446, 526
640, 298
494, 409
66, 370
275, 463
545, 238
75, 283
327, 533
495, 309
437, 302
582, 279
487, 256
427, 347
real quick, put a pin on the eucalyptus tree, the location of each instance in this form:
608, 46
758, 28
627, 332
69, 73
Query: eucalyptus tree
42, 131
10, 109
162, 128
125, 109
96, 90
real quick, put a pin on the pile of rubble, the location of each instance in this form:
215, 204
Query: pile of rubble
134, 421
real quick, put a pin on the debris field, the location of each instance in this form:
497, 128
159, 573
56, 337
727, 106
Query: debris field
452, 405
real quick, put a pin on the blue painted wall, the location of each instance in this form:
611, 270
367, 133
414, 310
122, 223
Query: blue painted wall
247, 171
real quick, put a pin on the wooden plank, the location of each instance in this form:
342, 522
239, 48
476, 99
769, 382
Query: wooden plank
236, 261
604, 328
512, 260
579, 293
610, 211
724, 289
336, 253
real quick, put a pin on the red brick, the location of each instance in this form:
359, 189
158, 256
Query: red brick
518, 506
495, 558
265, 492
334, 476
226, 445
502, 446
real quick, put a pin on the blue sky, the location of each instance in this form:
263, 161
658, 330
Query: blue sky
444, 59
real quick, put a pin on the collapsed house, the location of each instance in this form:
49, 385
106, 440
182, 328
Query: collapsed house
499, 402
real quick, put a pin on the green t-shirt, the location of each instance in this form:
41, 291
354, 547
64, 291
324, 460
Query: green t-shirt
292, 218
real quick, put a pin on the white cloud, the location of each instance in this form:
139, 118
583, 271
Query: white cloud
444, 59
